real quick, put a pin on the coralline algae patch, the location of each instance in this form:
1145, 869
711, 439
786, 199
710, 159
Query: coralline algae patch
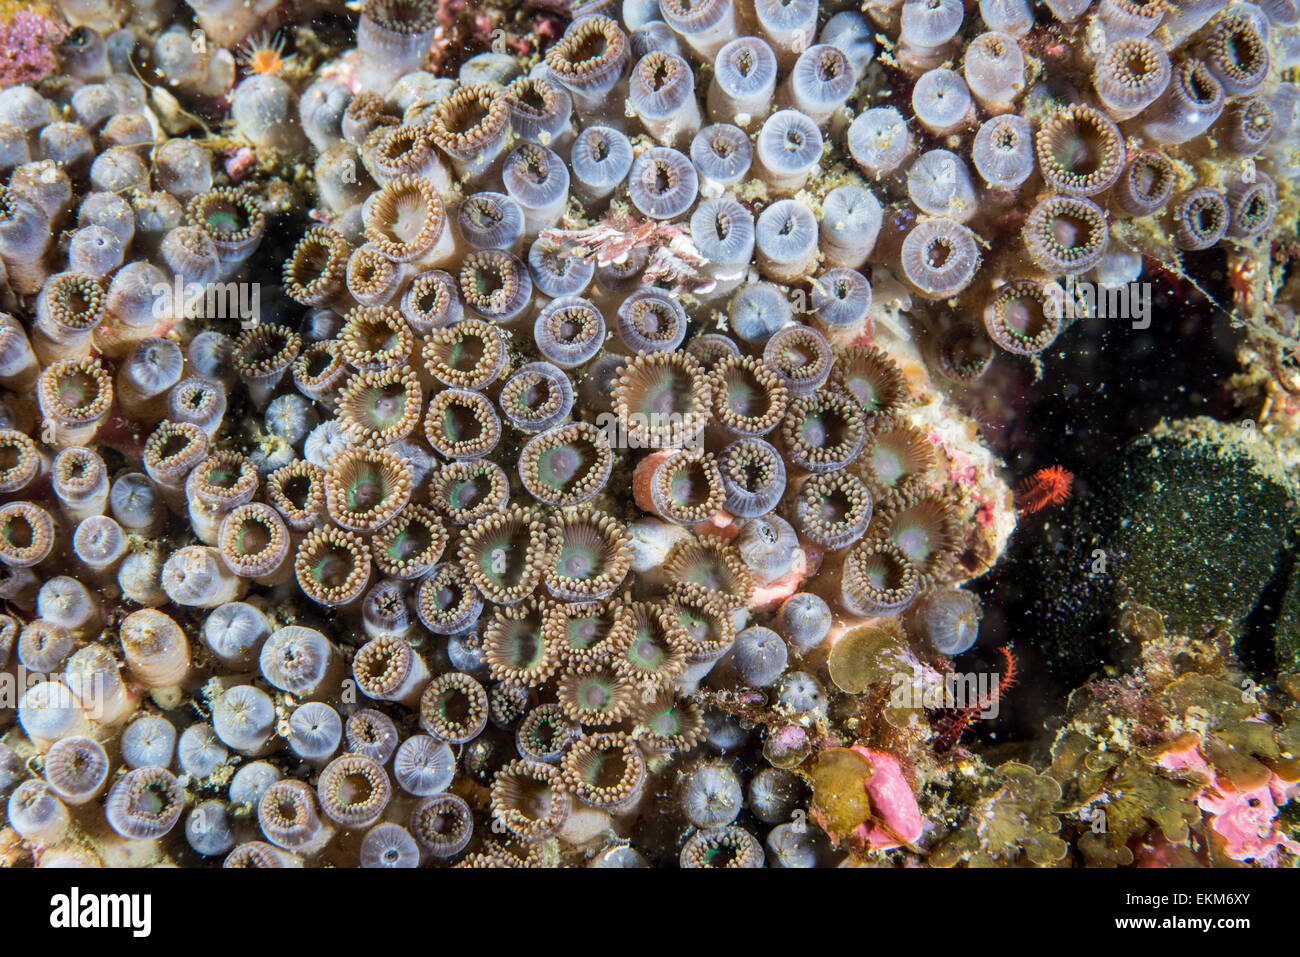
602, 466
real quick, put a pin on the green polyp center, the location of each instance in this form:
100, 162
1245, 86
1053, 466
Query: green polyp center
560, 466
354, 790
386, 406
464, 353
172, 445
594, 694
331, 567
18, 532
311, 263
317, 363
461, 424
688, 487
914, 537
503, 560
579, 562
151, 801
704, 571
668, 393
833, 508
224, 478
253, 538
466, 493
888, 461
647, 652
76, 391
523, 646
1078, 150
823, 429
264, 349
746, 397
718, 855
883, 573
367, 490
413, 540
665, 724
1070, 232
865, 390
453, 706
447, 596
583, 633
225, 220
533, 395
698, 628
1023, 316
543, 736
487, 282
602, 769
534, 799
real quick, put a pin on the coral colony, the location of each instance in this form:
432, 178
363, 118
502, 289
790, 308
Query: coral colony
479, 434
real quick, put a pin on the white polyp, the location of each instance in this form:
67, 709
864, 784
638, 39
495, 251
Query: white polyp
49, 711
196, 576
941, 101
